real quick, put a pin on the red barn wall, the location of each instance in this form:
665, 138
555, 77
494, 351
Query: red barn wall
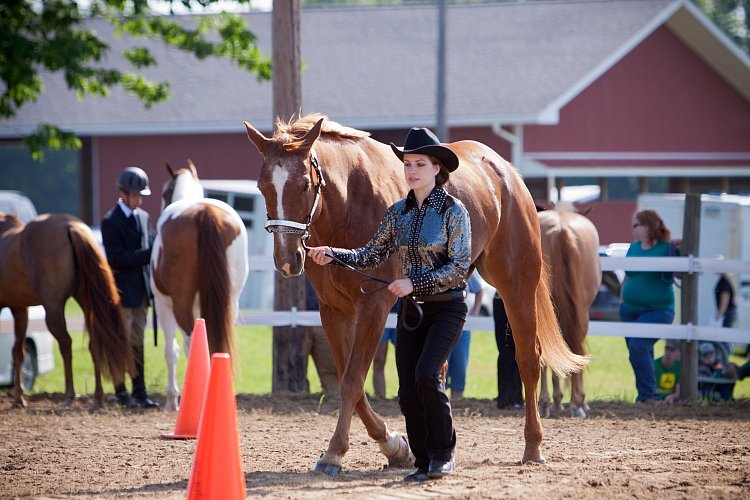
661, 97
216, 156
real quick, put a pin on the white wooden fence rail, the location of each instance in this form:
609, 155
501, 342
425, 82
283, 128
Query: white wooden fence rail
480, 323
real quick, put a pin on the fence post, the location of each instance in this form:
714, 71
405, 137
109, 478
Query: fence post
691, 230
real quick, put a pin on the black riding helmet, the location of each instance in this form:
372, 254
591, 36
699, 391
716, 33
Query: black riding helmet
133, 180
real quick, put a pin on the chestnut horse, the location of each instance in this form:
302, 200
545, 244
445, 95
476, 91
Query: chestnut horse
570, 244
198, 268
48, 260
333, 184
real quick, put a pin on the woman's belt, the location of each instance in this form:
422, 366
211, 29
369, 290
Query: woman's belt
442, 297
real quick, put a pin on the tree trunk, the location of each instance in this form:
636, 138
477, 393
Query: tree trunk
289, 359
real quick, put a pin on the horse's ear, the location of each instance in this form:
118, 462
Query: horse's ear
307, 142
170, 170
261, 142
192, 168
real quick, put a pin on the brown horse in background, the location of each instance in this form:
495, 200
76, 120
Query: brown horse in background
570, 243
333, 184
48, 260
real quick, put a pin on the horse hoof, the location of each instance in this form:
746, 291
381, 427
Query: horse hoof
403, 458
577, 412
539, 460
20, 403
331, 470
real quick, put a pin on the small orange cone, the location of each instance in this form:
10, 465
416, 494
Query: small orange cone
194, 388
217, 463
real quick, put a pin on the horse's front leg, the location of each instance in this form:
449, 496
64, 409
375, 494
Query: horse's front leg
20, 324
330, 462
393, 445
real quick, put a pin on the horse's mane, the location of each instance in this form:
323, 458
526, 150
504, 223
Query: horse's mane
291, 134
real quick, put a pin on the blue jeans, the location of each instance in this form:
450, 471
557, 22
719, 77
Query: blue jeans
388, 334
457, 363
641, 351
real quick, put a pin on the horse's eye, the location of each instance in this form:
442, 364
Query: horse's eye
307, 186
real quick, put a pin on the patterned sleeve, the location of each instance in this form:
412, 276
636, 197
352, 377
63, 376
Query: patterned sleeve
377, 251
453, 272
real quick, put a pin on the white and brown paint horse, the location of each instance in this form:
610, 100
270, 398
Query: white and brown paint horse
334, 184
199, 265
570, 243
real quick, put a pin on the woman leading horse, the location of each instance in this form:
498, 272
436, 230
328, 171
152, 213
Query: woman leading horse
332, 184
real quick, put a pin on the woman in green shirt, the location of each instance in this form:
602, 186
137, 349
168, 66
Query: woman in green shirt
647, 297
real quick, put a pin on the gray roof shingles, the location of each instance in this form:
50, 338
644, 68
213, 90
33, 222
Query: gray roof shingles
371, 68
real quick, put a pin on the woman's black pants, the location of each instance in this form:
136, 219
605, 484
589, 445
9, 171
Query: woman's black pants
420, 355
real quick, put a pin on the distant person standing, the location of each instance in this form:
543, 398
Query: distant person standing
509, 386
726, 308
647, 297
127, 243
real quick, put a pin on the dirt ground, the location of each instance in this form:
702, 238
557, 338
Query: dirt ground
621, 451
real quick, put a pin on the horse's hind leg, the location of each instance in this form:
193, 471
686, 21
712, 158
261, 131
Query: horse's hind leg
557, 394
20, 325
171, 350
577, 396
55, 319
544, 401
94, 349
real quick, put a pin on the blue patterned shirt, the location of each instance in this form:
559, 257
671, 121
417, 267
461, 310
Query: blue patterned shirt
433, 243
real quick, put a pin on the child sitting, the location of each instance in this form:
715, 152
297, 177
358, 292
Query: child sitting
710, 366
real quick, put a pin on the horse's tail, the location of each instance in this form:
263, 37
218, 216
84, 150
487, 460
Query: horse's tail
214, 286
555, 352
568, 292
97, 294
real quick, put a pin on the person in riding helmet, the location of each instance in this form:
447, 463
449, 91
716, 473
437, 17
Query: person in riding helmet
127, 243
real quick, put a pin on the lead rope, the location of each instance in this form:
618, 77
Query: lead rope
385, 283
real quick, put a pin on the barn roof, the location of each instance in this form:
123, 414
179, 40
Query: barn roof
375, 67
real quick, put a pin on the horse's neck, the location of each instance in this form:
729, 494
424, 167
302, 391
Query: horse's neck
186, 188
348, 209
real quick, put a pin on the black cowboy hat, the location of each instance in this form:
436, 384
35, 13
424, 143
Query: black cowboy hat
423, 141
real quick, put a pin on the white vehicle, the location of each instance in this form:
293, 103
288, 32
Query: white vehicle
13, 202
38, 358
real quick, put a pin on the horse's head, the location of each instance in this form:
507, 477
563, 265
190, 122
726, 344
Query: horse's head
182, 184
290, 181
9, 221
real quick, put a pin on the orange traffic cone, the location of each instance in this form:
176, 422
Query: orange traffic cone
217, 463
194, 388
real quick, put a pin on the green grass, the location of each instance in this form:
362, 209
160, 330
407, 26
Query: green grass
609, 377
